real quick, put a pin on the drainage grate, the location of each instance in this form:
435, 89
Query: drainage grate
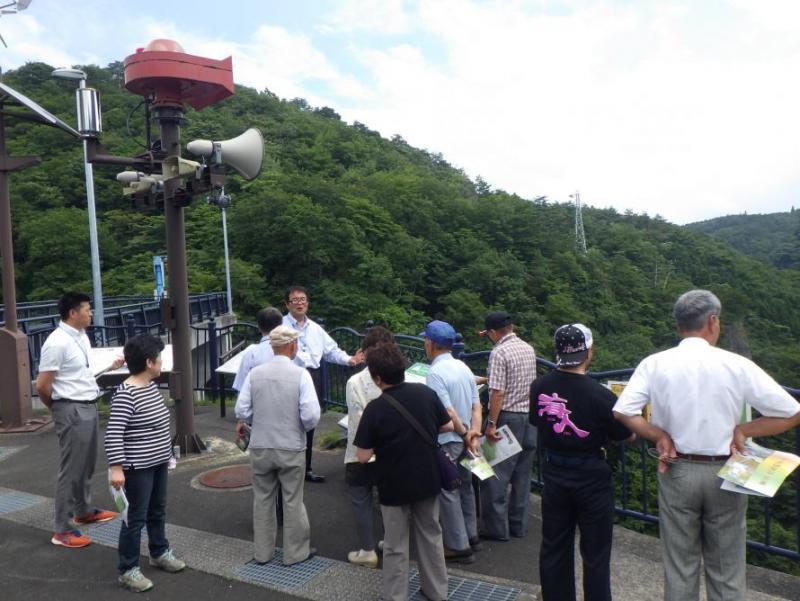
276, 574
6, 452
16, 501
465, 589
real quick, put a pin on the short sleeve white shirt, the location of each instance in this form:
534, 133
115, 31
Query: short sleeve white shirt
66, 351
697, 394
360, 390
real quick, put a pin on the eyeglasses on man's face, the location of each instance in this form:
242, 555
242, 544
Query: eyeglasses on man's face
300, 300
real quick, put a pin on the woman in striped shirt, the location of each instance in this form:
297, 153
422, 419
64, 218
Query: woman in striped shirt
138, 448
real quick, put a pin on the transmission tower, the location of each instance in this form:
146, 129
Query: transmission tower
580, 236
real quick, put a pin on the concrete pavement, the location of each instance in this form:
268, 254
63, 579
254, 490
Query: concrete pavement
212, 531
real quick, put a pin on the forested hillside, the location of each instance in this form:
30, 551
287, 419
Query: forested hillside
380, 230
774, 237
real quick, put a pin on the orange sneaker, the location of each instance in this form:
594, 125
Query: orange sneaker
72, 539
94, 517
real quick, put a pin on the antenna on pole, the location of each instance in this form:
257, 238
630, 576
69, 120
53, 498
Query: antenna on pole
580, 236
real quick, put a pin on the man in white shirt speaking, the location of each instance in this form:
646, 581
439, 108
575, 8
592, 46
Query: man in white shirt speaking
314, 345
697, 394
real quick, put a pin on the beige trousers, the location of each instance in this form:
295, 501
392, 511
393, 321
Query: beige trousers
273, 468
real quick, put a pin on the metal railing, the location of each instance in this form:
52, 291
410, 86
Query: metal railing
635, 469
123, 320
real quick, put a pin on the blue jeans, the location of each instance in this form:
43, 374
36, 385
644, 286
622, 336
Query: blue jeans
146, 490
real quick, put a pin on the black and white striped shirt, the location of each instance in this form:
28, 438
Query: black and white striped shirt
137, 435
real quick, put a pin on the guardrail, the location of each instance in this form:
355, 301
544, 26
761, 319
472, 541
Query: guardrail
123, 320
635, 471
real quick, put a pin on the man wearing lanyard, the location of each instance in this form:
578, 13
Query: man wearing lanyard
314, 345
67, 386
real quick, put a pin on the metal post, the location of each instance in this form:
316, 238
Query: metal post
227, 261
213, 364
180, 381
459, 348
15, 379
94, 248
130, 327
9, 285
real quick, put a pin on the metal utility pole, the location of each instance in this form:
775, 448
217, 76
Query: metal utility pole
580, 235
227, 261
94, 246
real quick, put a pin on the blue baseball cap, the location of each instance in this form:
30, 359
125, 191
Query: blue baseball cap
440, 332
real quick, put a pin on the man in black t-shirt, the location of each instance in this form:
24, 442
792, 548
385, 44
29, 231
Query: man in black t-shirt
407, 473
574, 416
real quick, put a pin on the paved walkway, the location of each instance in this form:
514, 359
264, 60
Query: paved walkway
212, 531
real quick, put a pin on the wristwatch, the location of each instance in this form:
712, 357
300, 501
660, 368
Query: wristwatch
491, 422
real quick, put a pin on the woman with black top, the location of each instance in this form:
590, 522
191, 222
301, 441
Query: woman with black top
406, 472
138, 446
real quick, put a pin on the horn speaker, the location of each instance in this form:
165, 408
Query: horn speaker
244, 153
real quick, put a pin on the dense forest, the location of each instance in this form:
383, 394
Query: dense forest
774, 237
379, 230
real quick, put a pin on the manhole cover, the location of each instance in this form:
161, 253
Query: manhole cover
232, 476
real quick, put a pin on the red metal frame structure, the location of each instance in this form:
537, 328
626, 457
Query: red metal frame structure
171, 78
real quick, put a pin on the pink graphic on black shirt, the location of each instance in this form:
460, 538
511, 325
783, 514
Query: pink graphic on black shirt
556, 407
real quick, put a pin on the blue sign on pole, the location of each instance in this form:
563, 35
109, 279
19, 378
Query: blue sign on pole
158, 272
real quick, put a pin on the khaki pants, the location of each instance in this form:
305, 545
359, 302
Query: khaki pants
423, 518
274, 469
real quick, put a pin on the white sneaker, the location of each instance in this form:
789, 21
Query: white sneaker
135, 581
168, 562
368, 559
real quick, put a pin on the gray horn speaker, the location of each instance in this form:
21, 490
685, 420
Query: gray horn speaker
244, 153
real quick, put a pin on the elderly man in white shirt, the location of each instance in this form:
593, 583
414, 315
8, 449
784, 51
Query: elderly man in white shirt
67, 386
280, 400
314, 345
697, 394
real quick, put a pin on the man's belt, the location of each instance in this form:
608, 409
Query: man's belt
79, 402
704, 458
573, 460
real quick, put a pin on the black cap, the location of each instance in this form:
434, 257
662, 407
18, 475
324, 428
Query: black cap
495, 321
572, 342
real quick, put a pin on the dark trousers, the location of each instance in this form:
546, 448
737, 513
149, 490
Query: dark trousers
316, 377
147, 497
582, 496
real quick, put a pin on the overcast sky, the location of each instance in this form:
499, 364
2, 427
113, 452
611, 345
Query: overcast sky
687, 109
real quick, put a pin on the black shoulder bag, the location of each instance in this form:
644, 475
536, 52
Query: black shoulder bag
448, 470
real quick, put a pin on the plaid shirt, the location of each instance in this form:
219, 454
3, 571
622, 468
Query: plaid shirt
512, 368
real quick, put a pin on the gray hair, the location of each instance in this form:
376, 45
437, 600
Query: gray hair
693, 308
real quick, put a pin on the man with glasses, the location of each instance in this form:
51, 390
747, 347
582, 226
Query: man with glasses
314, 345
697, 394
